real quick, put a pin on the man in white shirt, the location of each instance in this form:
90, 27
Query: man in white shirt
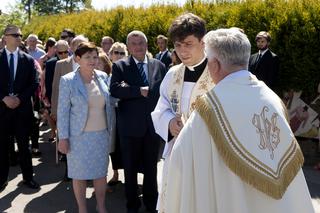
265, 64
182, 85
18, 82
164, 54
33, 50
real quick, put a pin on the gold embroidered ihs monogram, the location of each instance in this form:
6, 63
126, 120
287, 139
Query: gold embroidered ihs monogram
268, 130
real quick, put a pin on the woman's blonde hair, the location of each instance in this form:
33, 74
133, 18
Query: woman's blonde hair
118, 45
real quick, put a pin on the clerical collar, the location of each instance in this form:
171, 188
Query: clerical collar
194, 67
193, 76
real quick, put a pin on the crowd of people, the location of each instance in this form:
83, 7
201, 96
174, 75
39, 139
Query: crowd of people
117, 99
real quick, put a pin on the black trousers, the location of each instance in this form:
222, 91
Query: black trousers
140, 152
11, 124
35, 130
116, 156
35, 133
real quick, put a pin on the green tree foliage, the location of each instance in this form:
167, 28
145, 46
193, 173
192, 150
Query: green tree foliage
16, 15
294, 26
49, 7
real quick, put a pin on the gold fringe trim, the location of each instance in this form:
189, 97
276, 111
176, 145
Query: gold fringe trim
274, 188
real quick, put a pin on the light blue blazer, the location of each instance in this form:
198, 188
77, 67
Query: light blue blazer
73, 104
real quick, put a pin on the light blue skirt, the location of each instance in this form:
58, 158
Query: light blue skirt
88, 156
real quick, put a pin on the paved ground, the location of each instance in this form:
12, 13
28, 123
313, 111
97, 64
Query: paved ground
57, 196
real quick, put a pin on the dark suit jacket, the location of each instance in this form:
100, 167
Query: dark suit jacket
49, 73
266, 69
166, 58
25, 83
134, 110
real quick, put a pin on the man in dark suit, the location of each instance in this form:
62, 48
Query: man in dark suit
136, 81
264, 64
164, 54
18, 82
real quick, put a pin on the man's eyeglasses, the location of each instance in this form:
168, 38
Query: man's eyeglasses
63, 52
64, 36
16, 35
119, 53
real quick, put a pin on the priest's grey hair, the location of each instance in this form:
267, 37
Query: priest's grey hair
229, 46
136, 33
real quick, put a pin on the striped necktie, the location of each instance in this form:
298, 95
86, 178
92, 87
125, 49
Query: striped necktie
142, 73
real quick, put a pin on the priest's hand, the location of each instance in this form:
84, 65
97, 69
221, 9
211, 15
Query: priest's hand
175, 125
63, 146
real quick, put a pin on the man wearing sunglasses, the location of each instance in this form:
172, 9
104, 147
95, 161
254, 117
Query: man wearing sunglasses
18, 82
67, 35
61, 53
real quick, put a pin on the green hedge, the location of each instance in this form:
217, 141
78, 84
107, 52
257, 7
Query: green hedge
294, 26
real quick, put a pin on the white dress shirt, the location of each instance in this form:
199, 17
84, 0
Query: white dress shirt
15, 59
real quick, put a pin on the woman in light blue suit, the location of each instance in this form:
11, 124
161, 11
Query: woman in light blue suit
84, 125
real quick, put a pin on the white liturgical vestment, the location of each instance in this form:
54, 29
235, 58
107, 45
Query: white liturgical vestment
237, 154
177, 97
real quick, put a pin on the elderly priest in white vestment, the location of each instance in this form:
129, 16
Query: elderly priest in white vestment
236, 153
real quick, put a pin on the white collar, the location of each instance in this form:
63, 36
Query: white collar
145, 60
14, 52
263, 51
166, 50
234, 75
191, 68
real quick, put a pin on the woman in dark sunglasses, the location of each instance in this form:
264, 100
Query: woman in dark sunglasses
118, 51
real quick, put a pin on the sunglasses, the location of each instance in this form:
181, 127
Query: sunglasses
16, 35
119, 53
63, 52
64, 37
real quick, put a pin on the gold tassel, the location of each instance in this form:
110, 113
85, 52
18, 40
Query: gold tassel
272, 187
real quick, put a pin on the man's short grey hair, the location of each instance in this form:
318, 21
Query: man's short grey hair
79, 39
136, 33
32, 36
230, 46
62, 43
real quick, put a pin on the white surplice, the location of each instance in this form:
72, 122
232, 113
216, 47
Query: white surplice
174, 89
161, 117
163, 112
